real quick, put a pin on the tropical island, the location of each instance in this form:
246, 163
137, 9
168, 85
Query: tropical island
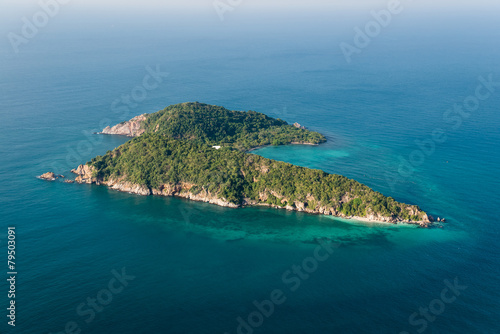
201, 152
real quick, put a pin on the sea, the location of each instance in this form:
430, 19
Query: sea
413, 112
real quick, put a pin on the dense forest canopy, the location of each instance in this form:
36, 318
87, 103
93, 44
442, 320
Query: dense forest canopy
219, 126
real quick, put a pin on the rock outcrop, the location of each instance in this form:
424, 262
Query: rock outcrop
126, 186
298, 126
85, 174
132, 128
49, 176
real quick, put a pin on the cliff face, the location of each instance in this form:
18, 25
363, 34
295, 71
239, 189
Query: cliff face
85, 175
132, 128
183, 189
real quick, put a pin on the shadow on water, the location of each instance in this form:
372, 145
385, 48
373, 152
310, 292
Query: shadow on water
177, 215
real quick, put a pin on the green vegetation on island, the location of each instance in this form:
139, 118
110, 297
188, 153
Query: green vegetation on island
176, 149
215, 125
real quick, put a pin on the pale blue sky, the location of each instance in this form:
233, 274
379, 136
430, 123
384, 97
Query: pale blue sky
244, 12
279, 4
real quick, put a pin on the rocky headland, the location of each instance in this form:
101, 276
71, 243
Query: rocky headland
131, 128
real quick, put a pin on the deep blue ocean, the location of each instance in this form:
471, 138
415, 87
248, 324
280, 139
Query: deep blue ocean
192, 267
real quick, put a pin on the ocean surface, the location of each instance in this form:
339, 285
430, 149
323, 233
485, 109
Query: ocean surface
198, 268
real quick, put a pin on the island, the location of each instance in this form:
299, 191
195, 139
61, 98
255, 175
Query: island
201, 152
50, 176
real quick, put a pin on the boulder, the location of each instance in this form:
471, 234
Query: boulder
298, 126
49, 176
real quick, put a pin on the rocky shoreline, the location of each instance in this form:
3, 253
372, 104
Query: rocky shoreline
132, 128
182, 190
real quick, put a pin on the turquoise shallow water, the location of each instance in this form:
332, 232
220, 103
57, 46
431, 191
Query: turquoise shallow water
199, 267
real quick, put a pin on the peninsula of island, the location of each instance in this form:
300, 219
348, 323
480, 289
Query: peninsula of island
201, 152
